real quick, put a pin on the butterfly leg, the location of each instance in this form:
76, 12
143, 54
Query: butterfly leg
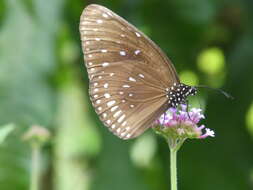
164, 118
187, 109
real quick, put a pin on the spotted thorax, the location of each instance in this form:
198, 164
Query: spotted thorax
178, 93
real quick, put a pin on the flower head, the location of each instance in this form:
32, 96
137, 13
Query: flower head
37, 135
182, 124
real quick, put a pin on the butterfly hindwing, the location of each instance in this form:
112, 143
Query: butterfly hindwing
128, 73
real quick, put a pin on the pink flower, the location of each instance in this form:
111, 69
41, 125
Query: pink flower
182, 123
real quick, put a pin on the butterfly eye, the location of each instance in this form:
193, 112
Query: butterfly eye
132, 82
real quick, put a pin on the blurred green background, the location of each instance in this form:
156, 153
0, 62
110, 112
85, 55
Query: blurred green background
43, 81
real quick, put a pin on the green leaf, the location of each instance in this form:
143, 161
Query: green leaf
5, 131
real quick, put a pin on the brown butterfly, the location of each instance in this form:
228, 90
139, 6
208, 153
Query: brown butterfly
132, 82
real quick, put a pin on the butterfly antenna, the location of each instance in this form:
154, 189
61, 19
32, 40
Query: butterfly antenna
227, 95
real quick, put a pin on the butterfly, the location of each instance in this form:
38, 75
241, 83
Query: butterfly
131, 81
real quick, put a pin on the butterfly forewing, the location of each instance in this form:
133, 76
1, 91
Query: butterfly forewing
128, 73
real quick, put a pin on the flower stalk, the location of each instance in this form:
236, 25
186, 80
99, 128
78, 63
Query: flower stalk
36, 136
174, 146
177, 125
35, 167
173, 169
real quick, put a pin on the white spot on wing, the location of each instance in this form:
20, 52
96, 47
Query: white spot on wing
114, 108
105, 64
111, 103
125, 86
98, 101
117, 113
99, 21
124, 123
104, 50
106, 85
121, 118
118, 130
109, 13
131, 79
141, 75
122, 134
137, 52
105, 15
123, 53
107, 95
137, 34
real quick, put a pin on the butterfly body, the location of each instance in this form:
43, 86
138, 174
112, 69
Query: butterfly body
178, 93
132, 82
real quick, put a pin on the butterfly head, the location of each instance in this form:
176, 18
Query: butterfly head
178, 93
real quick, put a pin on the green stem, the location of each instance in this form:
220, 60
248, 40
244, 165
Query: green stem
173, 168
174, 145
35, 173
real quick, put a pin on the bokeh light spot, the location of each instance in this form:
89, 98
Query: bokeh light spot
211, 61
249, 119
189, 78
143, 150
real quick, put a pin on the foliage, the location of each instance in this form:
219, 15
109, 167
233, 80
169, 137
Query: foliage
43, 82
5, 131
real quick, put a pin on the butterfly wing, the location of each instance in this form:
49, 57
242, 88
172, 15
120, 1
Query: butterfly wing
128, 73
